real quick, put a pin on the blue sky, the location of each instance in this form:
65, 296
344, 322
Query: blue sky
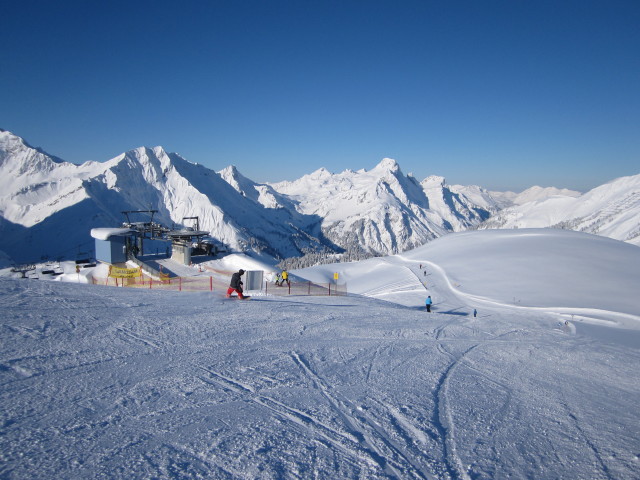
502, 94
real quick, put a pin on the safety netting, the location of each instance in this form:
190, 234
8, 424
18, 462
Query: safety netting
220, 284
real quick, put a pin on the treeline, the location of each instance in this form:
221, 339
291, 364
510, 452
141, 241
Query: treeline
310, 258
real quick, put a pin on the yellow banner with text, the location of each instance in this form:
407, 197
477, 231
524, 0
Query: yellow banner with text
119, 272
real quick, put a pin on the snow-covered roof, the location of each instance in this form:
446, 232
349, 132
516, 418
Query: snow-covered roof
106, 233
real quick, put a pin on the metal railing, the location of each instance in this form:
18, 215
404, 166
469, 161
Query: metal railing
306, 288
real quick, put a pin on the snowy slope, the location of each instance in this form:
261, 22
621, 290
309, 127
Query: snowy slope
611, 210
568, 270
102, 382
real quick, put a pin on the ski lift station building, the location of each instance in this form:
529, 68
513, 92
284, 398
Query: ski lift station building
117, 245
112, 244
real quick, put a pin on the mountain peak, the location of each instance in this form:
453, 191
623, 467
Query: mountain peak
10, 141
24, 157
321, 173
433, 181
388, 164
233, 176
239, 182
159, 151
230, 171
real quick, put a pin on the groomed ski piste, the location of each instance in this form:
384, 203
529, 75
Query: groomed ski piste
118, 383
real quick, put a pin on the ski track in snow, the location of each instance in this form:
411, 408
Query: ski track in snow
366, 430
347, 443
138, 338
587, 441
445, 423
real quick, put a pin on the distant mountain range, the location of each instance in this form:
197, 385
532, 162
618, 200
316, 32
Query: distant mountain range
48, 206
611, 210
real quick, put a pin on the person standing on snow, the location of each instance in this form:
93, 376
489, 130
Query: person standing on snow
428, 303
236, 284
285, 278
278, 280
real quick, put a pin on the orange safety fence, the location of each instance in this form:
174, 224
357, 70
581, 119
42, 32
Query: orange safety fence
189, 284
209, 283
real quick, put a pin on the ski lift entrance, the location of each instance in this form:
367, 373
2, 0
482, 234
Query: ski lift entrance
183, 241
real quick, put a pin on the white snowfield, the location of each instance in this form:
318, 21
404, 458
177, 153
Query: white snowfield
104, 382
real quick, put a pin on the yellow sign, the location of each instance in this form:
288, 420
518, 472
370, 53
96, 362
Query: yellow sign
118, 272
335, 276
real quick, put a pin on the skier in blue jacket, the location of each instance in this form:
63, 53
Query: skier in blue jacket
428, 303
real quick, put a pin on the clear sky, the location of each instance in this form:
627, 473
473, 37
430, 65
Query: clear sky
502, 94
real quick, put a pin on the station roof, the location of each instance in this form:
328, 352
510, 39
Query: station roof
186, 233
106, 233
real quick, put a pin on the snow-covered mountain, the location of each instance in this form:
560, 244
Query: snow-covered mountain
377, 212
611, 210
536, 193
384, 211
48, 206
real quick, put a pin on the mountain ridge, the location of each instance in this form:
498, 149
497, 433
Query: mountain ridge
610, 210
370, 212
